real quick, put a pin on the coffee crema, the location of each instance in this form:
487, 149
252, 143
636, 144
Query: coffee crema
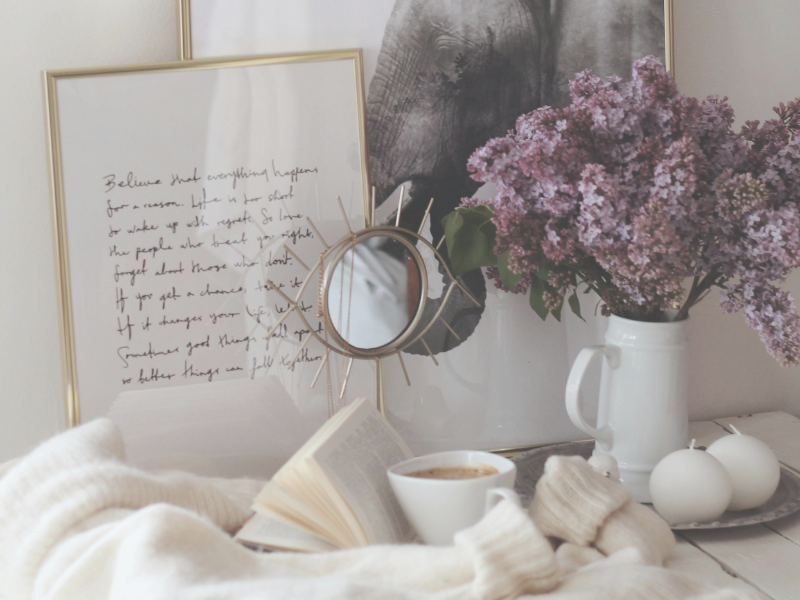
454, 472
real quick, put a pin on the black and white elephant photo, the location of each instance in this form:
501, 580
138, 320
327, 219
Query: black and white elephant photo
452, 74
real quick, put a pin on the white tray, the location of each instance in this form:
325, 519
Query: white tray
785, 501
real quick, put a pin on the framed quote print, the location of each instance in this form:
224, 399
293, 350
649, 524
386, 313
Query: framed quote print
442, 78
180, 190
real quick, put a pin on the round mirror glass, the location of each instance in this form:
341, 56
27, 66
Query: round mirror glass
374, 292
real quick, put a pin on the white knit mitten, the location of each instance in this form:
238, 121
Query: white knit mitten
638, 526
576, 504
571, 557
573, 501
511, 556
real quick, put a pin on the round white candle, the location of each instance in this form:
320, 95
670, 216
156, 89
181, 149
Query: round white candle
753, 468
690, 486
605, 464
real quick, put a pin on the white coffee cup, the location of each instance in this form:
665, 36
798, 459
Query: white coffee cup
439, 508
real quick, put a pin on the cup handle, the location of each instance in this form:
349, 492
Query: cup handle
495, 495
604, 435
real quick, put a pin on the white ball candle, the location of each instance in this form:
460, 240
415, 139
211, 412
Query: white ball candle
753, 468
605, 464
690, 486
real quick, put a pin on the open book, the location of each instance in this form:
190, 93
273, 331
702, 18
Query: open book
334, 492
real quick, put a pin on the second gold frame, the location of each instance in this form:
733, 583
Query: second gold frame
161, 198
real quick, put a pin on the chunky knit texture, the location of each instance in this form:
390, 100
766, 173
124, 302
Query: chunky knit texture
77, 522
638, 526
573, 501
510, 554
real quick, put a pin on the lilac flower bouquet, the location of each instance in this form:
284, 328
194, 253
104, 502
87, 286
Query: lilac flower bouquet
645, 196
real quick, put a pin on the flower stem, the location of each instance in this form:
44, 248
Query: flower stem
697, 293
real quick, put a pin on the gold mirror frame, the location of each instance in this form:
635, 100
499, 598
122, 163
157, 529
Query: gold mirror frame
348, 244
323, 269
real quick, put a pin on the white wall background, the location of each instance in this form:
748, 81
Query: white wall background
748, 51
36, 35
744, 49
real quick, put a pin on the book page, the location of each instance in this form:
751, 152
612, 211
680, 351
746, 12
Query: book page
323, 433
355, 459
271, 533
287, 506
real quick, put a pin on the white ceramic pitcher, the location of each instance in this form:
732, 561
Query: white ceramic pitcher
643, 410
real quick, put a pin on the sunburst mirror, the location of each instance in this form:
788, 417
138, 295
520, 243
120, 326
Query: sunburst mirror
370, 288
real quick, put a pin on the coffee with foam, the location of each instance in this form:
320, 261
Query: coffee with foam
454, 472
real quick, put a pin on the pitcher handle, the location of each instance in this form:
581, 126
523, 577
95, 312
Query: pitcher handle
605, 434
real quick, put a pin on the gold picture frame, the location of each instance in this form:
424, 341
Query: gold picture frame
60, 192
183, 10
669, 37
253, 29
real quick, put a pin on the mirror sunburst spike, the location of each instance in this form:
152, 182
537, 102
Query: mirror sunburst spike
381, 386
272, 331
321, 366
280, 291
403, 365
297, 258
450, 329
424, 343
344, 214
318, 234
299, 352
425, 217
467, 294
346, 377
292, 308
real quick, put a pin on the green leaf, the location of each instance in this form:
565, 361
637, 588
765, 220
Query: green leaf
557, 312
536, 300
470, 234
507, 276
575, 304
543, 273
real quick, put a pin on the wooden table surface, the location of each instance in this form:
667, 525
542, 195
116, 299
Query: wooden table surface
764, 557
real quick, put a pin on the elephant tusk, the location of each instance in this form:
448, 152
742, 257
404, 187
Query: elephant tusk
400, 205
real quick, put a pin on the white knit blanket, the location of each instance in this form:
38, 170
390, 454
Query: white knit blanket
76, 522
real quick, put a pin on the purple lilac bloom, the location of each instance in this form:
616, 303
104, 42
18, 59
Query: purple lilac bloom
634, 190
